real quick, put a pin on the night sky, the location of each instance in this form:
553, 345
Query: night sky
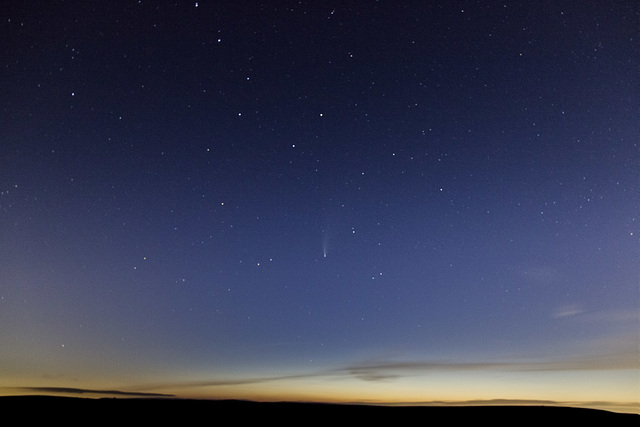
363, 201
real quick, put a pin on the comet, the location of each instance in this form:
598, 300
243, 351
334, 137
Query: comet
325, 244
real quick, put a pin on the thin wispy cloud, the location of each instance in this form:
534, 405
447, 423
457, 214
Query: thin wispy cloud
627, 359
82, 391
568, 311
619, 358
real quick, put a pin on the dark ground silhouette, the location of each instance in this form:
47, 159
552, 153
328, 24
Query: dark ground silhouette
72, 411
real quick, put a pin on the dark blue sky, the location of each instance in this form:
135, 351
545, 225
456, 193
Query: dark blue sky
426, 196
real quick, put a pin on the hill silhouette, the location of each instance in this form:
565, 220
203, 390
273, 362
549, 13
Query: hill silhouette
76, 411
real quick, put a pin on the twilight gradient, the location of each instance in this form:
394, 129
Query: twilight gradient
390, 202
